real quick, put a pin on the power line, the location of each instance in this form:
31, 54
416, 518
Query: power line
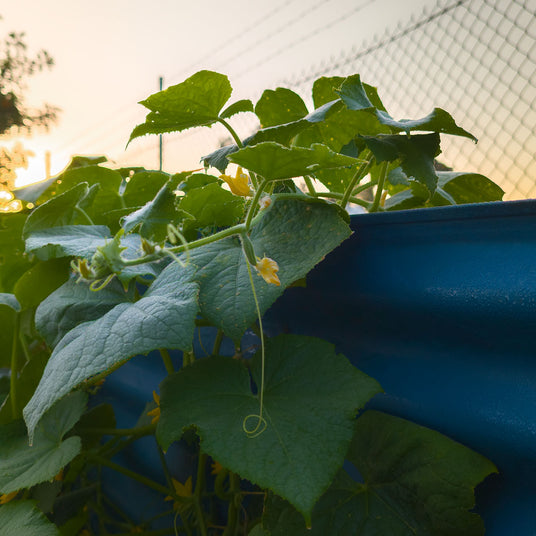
303, 38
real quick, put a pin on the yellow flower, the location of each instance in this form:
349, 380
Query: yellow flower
267, 269
182, 490
7, 497
216, 468
239, 184
155, 413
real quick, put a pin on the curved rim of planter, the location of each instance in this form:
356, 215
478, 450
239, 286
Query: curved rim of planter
451, 212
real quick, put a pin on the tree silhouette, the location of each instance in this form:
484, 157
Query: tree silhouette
16, 66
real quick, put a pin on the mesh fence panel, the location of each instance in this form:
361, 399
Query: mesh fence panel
474, 58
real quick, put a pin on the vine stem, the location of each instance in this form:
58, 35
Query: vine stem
166, 358
136, 476
84, 214
217, 342
361, 171
254, 203
199, 485
337, 195
260, 420
14, 366
381, 181
240, 145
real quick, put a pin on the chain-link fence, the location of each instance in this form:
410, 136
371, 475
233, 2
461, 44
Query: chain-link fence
474, 58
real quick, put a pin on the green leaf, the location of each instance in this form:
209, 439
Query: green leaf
294, 232
279, 106
417, 482
154, 217
197, 180
211, 205
163, 317
311, 396
25, 384
437, 121
23, 465
244, 105
23, 518
353, 94
325, 89
274, 161
106, 183
143, 186
13, 262
40, 280
218, 158
469, 187
10, 300
195, 102
286, 132
74, 303
32, 192
75, 240
416, 155
62, 210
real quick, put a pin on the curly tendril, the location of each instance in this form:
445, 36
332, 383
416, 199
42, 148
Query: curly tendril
261, 423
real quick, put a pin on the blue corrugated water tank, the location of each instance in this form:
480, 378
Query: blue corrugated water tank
439, 305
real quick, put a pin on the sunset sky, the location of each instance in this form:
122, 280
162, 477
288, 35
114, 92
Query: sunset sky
110, 54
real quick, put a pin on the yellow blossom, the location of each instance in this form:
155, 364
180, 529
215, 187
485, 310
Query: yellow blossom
216, 468
5, 498
182, 490
238, 184
267, 269
155, 413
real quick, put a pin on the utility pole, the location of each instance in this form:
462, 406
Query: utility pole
160, 153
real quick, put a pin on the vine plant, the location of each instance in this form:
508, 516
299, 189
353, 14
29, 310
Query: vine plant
115, 263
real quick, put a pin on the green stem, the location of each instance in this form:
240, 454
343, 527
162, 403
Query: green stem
381, 181
230, 231
217, 342
84, 214
337, 195
166, 358
309, 184
14, 368
140, 431
255, 204
234, 505
232, 131
139, 478
361, 171
165, 468
199, 486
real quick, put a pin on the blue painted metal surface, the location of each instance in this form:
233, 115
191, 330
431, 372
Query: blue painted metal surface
439, 305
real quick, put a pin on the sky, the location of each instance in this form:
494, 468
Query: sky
110, 54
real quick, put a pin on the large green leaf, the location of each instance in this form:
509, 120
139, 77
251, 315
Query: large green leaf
61, 210
241, 106
294, 232
469, 187
211, 205
9, 309
416, 155
311, 396
74, 303
417, 482
195, 102
69, 240
13, 262
143, 186
106, 183
23, 465
10, 300
23, 518
279, 106
274, 161
163, 317
40, 280
154, 217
